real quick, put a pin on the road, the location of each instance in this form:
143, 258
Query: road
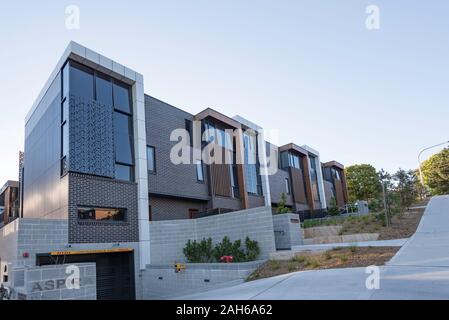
420, 270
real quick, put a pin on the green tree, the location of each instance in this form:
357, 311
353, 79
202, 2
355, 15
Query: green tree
363, 182
281, 208
405, 187
436, 172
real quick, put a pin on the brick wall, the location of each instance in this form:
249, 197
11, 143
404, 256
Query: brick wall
172, 209
168, 238
170, 179
100, 192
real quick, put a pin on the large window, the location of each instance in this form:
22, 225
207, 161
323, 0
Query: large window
102, 214
103, 86
314, 178
122, 97
81, 81
151, 159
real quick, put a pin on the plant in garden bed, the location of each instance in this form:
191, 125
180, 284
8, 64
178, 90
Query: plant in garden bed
225, 251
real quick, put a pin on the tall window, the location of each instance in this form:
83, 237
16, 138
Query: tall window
314, 178
287, 186
64, 119
151, 160
252, 177
199, 171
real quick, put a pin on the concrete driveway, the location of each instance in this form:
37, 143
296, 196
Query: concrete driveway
420, 270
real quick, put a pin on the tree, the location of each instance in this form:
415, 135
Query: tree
363, 182
436, 172
405, 187
281, 208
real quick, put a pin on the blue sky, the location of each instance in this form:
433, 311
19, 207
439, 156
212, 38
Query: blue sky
307, 68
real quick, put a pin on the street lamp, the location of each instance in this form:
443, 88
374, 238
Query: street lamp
419, 159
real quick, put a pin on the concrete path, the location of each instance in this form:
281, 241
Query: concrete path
328, 246
420, 270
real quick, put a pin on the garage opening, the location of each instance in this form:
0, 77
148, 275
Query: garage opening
115, 271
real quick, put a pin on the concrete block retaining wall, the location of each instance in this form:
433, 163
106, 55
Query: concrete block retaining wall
49, 283
162, 282
168, 238
287, 230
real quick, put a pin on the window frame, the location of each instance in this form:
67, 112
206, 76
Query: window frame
288, 190
154, 159
125, 214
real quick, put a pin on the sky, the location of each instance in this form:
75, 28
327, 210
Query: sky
310, 70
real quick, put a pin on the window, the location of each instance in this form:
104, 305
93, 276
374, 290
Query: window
65, 110
287, 186
65, 139
103, 87
234, 181
102, 214
151, 160
252, 176
65, 81
122, 99
124, 172
199, 171
123, 149
81, 81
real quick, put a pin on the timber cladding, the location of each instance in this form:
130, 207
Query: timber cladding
299, 192
221, 179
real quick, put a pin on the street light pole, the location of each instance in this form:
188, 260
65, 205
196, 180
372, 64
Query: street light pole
419, 159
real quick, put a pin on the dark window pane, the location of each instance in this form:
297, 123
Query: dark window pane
122, 97
123, 149
64, 166
65, 139
122, 124
104, 90
151, 163
65, 81
81, 81
101, 214
65, 110
123, 172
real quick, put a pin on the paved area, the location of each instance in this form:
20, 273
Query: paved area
328, 246
420, 270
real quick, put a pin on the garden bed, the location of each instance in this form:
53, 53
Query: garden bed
336, 258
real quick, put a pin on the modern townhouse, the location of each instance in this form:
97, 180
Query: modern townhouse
335, 183
299, 178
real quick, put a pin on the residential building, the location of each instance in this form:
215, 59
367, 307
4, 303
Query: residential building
9, 202
299, 178
335, 183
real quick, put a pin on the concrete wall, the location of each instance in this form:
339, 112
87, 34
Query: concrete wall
168, 238
287, 230
49, 283
161, 281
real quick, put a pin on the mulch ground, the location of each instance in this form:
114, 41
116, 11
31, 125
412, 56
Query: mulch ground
336, 258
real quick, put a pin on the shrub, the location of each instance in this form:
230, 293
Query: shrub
274, 264
252, 249
281, 208
353, 248
199, 252
205, 252
333, 208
